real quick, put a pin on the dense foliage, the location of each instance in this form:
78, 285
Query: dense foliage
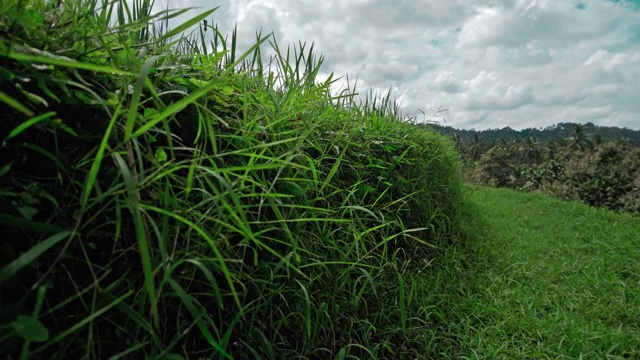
162, 201
579, 167
555, 133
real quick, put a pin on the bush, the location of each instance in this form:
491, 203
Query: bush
605, 178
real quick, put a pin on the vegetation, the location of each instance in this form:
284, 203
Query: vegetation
162, 197
162, 201
579, 167
547, 279
553, 133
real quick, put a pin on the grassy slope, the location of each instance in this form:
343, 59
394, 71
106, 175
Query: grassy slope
549, 279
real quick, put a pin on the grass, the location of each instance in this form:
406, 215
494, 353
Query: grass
166, 198
169, 198
548, 280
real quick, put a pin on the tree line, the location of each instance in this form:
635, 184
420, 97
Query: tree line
554, 132
593, 167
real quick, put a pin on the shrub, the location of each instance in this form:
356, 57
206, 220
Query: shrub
605, 178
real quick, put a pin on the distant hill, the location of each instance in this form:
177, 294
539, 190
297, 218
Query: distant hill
555, 132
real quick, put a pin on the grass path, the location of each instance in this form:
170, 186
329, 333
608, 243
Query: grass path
549, 280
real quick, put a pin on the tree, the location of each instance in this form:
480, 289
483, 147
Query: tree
500, 143
550, 150
476, 148
579, 139
607, 178
530, 150
496, 167
457, 142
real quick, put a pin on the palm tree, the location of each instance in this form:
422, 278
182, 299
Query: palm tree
579, 139
477, 147
457, 142
496, 167
500, 142
623, 143
550, 150
531, 151
515, 148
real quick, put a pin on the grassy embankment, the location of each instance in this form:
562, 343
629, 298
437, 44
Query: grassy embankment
548, 280
215, 206
160, 201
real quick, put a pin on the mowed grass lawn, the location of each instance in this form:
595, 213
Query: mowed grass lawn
547, 280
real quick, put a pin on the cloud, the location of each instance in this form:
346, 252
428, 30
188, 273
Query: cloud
485, 91
492, 63
447, 82
605, 61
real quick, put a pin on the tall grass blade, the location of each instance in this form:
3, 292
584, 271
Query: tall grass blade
307, 308
223, 266
25, 224
175, 108
95, 315
97, 160
141, 234
28, 257
187, 24
51, 59
135, 98
15, 104
29, 123
197, 314
334, 170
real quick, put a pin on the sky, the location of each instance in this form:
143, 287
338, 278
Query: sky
490, 63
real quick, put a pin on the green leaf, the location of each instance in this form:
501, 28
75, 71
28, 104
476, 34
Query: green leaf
27, 211
334, 170
307, 309
33, 97
30, 328
84, 98
35, 17
112, 99
58, 123
141, 235
175, 108
197, 313
5, 169
150, 112
161, 155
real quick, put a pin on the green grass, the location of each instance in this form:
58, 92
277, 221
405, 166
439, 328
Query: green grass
545, 279
162, 201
